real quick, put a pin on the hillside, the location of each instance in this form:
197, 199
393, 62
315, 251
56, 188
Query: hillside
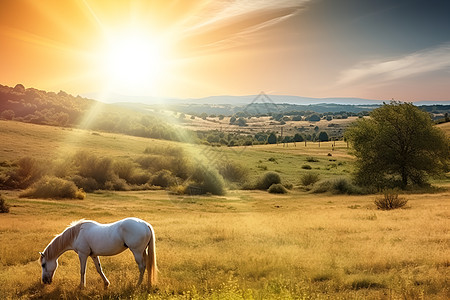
30, 105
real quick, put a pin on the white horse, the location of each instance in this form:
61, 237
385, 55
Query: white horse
89, 238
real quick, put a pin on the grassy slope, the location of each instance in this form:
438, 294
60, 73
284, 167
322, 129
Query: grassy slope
46, 142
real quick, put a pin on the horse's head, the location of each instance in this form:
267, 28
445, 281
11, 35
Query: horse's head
48, 268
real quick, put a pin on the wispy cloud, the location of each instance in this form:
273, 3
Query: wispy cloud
428, 60
215, 12
218, 25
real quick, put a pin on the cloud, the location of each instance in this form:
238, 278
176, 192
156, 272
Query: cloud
218, 25
428, 60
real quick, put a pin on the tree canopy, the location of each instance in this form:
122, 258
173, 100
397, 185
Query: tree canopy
398, 146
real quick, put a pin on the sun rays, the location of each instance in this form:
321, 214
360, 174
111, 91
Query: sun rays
136, 47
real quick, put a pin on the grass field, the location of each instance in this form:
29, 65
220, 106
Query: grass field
246, 244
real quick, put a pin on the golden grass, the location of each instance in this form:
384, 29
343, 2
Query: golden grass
244, 245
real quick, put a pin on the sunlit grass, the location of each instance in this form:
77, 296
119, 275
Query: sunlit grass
247, 244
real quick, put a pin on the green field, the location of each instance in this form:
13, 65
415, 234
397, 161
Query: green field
246, 244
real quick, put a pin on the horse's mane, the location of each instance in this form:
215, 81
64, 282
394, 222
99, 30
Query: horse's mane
61, 241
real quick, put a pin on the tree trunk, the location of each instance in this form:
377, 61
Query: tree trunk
404, 177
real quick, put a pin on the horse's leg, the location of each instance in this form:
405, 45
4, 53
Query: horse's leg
83, 261
140, 260
100, 271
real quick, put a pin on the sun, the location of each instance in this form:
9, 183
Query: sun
133, 62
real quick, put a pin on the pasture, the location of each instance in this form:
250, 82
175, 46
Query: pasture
244, 245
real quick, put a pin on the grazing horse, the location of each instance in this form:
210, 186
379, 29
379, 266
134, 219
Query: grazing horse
89, 238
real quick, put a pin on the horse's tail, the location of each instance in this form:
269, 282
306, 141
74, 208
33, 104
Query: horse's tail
151, 259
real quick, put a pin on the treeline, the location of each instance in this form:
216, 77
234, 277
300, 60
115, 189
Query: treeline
240, 117
255, 109
220, 138
61, 109
271, 109
41, 107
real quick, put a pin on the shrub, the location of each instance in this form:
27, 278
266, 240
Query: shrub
54, 188
91, 166
390, 200
323, 187
310, 179
178, 165
207, 180
125, 169
140, 177
311, 159
87, 184
342, 186
28, 171
232, 171
338, 186
267, 180
164, 178
306, 167
116, 184
277, 188
4, 207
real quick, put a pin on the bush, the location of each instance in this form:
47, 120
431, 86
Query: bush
267, 180
342, 186
310, 179
164, 178
125, 169
323, 187
28, 171
277, 189
87, 184
306, 167
178, 165
4, 207
232, 171
54, 188
91, 166
207, 180
390, 200
338, 186
311, 159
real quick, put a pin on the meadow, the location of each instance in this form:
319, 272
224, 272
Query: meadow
243, 245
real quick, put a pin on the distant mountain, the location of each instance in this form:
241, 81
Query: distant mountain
247, 99
278, 99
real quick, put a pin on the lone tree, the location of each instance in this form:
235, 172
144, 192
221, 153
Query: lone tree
323, 136
272, 139
397, 146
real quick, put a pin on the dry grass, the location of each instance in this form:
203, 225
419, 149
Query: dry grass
244, 245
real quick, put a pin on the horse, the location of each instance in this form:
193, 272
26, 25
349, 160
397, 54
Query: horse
89, 238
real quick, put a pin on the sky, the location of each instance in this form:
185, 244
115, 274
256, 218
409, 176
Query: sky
379, 49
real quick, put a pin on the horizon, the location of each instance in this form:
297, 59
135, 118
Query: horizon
303, 48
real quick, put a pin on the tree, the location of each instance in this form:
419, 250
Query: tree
7, 114
298, 137
241, 122
398, 145
323, 136
313, 118
272, 139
